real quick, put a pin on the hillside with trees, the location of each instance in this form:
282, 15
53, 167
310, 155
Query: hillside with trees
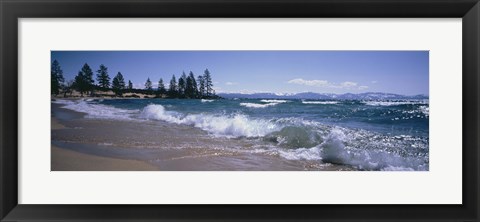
83, 84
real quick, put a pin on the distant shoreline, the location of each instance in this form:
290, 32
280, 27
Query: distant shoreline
105, 94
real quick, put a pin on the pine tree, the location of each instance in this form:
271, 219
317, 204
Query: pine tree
84, 80
182, 85
118, 84
79, 83
68, 88
148, 86
88, 75
102, 77
57, 79
161, 87
201, 86
208, 83
191, 90
172, 89
130, 85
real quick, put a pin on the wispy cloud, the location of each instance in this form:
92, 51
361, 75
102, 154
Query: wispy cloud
309, 82
327, 84
231, 83
374, 81
348, 84
137, 85
363, 87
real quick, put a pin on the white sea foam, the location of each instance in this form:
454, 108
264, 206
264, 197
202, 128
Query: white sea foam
424, 109
258, 105
236, 125
158, 112
207, 100
296, 121
95, 110
274, 101
320, 102
397, 168
105, 144
347, 147
394, 103
361, 156
313, 153
265, 103
62, 101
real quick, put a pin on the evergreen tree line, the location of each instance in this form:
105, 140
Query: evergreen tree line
187, 86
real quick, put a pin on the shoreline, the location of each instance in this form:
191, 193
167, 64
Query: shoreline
156, 145
64, 159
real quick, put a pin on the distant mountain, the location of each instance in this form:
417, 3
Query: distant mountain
322, 96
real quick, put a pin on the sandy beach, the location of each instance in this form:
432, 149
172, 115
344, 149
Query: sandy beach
67, 160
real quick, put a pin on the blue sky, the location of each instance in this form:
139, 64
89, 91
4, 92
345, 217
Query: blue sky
401, 72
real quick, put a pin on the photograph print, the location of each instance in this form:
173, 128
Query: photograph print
240, 110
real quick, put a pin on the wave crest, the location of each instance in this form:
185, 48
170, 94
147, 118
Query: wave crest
258, 105
345, 149
274, 101
352, 148
320, 102
236, 125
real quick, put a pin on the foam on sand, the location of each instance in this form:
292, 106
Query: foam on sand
95, 110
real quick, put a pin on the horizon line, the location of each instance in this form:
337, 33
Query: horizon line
283, 94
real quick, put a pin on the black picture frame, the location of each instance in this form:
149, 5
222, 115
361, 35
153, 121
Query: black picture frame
11, 11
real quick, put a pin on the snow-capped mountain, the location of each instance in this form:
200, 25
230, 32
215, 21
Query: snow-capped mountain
323, 96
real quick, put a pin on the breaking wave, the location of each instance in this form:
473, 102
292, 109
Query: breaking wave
95, 110
274, 101
320, 102
341, 147
258, 105
235, 125
265, 103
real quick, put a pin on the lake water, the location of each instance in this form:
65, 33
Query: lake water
365, 135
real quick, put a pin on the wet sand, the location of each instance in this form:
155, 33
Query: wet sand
67, 160
84, 144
